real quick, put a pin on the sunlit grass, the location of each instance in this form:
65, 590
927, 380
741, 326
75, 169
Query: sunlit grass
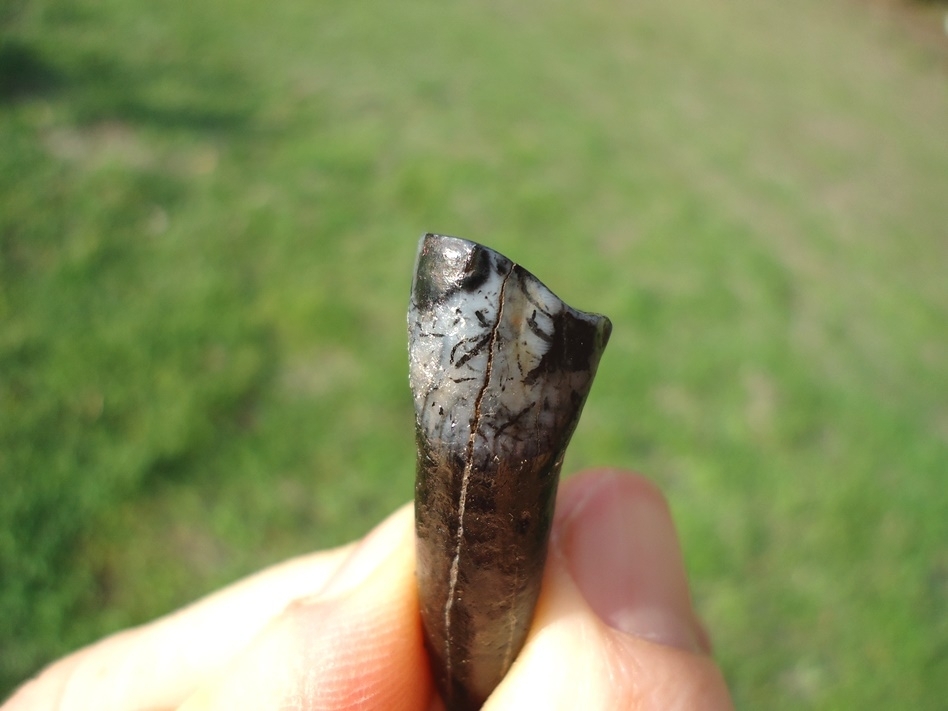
208, 215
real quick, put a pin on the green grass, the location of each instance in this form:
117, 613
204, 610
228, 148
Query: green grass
208, 215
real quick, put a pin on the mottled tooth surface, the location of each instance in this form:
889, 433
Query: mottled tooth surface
499, 370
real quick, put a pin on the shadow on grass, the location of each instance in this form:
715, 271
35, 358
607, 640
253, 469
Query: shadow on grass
169, 94
162, 96
24, 72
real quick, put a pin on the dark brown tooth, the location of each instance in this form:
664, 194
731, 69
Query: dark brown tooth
499, 370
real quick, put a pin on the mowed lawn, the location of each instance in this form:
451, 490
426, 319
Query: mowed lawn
208, 219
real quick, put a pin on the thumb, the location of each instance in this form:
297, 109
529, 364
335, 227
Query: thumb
614, 627
355, 645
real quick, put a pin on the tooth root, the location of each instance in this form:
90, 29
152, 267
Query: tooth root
499, 370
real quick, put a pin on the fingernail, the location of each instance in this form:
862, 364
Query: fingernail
623, 552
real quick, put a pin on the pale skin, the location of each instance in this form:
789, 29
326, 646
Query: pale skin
339, 629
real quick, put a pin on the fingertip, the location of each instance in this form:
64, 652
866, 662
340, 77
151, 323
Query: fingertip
358, 644
618, 540
575, 490
391, 535
579, 655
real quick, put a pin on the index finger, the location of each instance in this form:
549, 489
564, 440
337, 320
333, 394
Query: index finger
157, 665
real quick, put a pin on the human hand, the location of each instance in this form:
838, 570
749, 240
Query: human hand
614, 628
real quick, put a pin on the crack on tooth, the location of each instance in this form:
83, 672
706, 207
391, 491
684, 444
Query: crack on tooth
466, 476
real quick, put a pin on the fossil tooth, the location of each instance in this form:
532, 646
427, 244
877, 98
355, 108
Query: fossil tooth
499, 370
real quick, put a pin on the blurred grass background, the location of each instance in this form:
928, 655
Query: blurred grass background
208, 217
